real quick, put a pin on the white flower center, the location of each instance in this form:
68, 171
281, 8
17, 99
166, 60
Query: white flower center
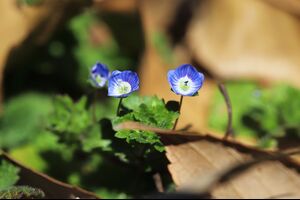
122, 87
185, 85
100, 80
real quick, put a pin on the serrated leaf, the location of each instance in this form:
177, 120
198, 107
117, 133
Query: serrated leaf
72, 122
150, 111
122, 134
23, 119
22, 192
93, 140
8, 175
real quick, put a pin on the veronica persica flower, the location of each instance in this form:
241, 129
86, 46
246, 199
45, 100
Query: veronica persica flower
99, 75
122, 84
185, 80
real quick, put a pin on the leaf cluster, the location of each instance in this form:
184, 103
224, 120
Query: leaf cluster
150, 111
73, 123
263, 113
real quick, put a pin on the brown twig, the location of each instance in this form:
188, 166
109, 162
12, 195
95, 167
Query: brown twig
158, 182
223, 90
53, 188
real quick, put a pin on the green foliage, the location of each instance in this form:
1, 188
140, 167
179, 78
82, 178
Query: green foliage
150, 111
265, 114
23, 119
8, 175
56, 49
30, 154
74, 124
22, 192
87, 53
162, 45
30, 2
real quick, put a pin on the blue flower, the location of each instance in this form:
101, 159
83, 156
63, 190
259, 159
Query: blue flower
185, 80
99, 75
122, 84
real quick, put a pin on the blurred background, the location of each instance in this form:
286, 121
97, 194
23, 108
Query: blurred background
48, 47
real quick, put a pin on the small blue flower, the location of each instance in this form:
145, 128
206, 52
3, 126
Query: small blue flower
99, 75
185, 80
122, 84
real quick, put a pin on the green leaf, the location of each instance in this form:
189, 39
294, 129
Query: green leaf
23, 119
73, 124
147, 110
160, 148
262, 113
8, 175
22, 192
196, 94
162, 45
93, 140
87, 53
122, 134
30, 2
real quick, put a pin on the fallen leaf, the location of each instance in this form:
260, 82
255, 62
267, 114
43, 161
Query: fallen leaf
291, 6
51, 187
196, 160
124, 6
247, 39
201, 159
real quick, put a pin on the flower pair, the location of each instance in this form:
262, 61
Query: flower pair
120, 84
184, 80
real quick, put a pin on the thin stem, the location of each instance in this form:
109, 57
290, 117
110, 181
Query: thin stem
119, 106
94, 104
180, 104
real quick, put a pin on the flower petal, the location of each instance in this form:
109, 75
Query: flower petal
122, 84
99, 75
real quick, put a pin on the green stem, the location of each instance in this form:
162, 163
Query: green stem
94, 104
119, 106
180, 104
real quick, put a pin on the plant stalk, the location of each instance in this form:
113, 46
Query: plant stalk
119, 106
180, 104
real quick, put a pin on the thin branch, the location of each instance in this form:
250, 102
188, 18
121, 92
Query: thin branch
223, 90
158, 182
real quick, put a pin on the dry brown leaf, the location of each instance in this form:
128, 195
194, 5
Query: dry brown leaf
123, 6
248, 39
204, 158
291, 6
52, 188
195, 161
